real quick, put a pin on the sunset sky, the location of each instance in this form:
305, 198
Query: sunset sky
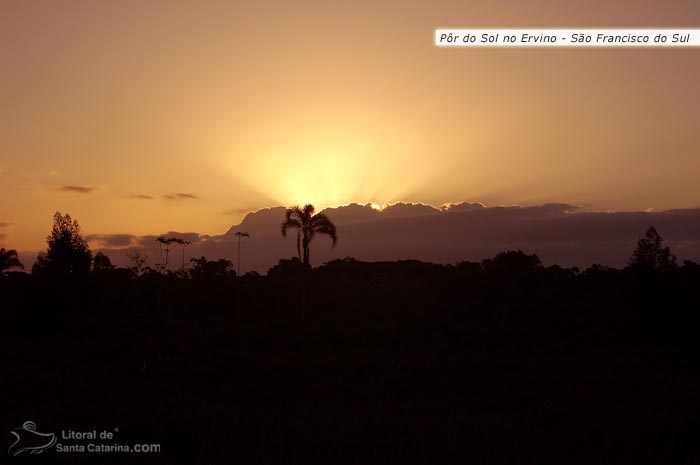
146, 117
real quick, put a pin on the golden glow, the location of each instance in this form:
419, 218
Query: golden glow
334, 165
320, 173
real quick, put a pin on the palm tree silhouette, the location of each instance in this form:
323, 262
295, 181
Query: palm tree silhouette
9, 260
307, 225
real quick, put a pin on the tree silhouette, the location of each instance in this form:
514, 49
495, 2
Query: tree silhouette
512, 262
307, 225
67, 253
650, 254
9, 260
102, 263
202, 269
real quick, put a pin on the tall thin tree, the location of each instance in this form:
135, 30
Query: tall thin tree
239, 235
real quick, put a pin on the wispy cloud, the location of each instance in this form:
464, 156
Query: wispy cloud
139, 197
77, 189
4, 224
179, 196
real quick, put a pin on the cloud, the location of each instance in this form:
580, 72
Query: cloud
558, 233
238, 211
112, 240
77, 189
150, 240
139, 197
401, 209
118, 247
179, 196
4, 224
461, 206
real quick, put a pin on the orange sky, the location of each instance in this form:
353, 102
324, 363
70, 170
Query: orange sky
113, 110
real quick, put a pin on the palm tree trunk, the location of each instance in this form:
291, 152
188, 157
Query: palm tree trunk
305, 279
304, 292
306, 252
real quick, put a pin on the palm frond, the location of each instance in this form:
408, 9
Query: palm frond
321, 224
320, 219
290, 223
295, 211
309, 211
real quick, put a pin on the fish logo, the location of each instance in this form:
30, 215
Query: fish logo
28, 439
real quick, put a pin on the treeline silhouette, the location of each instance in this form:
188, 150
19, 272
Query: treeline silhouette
500, 361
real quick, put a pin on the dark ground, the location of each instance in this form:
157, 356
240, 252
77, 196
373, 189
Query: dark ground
395, 363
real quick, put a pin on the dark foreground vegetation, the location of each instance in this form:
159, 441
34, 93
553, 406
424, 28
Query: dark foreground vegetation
499, 362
